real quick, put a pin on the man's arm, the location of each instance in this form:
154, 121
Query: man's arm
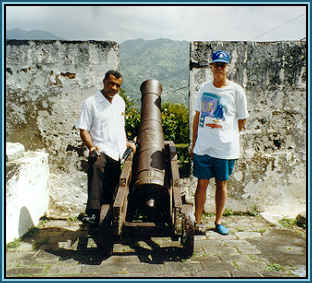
241, 124
87, 140
195, 132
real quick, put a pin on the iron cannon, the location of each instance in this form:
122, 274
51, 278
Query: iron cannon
148, 199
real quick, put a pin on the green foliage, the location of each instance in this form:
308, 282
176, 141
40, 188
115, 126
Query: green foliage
175, 122
175, 126
43, 221
132, 116
184, 160
15, 244
287, 222
160, 59
72, 219
255, 211
274, 267
228, 212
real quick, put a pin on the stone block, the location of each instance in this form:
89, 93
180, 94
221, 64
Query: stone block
68, 194
13, 151
27, 194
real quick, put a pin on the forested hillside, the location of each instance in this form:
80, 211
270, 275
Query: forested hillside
161, 59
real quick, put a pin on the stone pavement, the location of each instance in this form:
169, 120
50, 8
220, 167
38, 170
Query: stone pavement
254, 249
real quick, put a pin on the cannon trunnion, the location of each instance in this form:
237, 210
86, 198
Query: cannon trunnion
148, 200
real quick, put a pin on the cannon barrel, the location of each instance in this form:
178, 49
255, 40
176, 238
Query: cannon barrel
150, 165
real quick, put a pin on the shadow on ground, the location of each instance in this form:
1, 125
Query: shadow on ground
86, 247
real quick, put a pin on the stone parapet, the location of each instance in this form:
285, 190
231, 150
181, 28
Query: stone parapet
46, 83
271, 173
27, 196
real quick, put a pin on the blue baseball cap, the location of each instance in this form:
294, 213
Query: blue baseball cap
221, 56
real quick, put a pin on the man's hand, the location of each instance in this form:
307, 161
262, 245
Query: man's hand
242, 124
93, 153
191, 152
132, 146
92, 148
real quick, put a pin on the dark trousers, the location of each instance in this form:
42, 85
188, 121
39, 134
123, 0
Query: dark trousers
103, 179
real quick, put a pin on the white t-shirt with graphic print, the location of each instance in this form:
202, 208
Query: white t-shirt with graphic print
220, 109
106, 123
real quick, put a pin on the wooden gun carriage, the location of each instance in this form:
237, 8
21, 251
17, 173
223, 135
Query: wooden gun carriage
148, 199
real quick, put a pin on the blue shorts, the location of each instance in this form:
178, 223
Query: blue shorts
206, 167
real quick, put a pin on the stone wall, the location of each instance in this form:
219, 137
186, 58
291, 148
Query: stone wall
271, 175
46, 82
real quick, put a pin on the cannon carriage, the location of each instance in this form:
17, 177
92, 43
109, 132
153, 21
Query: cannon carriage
149, 199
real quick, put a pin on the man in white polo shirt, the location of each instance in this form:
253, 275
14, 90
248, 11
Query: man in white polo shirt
102, 129
220, 114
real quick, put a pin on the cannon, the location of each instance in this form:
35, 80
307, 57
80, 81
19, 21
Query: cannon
148, 199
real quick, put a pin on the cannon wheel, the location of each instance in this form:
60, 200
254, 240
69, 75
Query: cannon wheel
104, 235
187, 238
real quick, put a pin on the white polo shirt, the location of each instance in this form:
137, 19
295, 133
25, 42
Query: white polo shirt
106, 123
220, 109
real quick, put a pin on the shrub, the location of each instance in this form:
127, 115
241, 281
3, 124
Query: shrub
174, 120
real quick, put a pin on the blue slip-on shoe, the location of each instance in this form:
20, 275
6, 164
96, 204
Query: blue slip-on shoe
221, 229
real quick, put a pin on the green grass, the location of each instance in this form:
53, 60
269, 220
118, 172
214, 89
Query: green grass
43, 221
14, 244
17, 242
287, 222
255, 211
72, 219
274, 267
209, 214
228, 212
235, 265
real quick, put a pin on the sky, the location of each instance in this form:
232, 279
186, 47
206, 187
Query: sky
191, 23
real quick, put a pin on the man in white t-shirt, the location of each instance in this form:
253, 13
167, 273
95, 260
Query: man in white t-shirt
102, 129
220, 114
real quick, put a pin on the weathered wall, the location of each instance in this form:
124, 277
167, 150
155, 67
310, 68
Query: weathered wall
272, 171
26, 194
46, 82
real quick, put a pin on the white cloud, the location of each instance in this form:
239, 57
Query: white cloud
175, 22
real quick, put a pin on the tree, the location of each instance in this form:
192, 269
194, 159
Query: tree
132, 116
175, 122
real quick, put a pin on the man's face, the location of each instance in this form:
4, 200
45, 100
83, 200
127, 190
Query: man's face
219, 68
112, 85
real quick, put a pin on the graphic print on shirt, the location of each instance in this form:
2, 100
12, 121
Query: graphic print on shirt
212, 111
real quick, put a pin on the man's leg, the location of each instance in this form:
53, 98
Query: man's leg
200, 198
111, 180
220, 197
95, 189
221, 193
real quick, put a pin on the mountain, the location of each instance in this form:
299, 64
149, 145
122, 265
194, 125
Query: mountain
30, 35
162, 59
